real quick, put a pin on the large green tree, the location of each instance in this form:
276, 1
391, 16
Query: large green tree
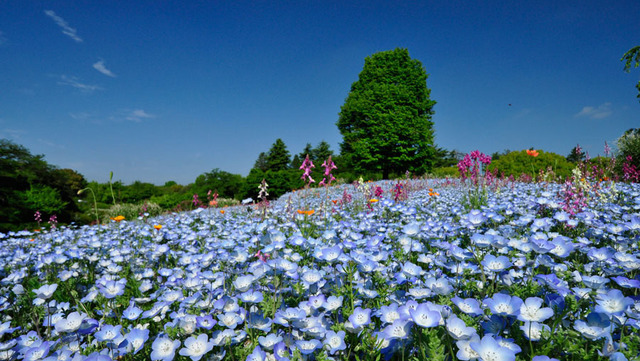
632, 58
385, 121
278, 157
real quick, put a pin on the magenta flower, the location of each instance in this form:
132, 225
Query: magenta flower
328, 166
306, 166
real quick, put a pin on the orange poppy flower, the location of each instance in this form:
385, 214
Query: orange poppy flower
222, 211
118, 218
158, 227
373, 200
308, 213
334, 201
534, 153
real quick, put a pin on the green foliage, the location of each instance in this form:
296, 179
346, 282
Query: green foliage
44, 199
278, 157
131, 211
224, 183
632, 58
629, 145
386, 118
519, 162
574, 156
445, 172
21, 175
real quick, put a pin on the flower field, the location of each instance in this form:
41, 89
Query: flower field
403, 270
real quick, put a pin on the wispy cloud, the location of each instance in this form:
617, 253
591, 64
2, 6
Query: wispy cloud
599, 112
99, 66
66, 29
138, 115
74, 82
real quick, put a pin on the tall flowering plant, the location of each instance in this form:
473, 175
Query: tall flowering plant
472, 168
306, 167
328, 166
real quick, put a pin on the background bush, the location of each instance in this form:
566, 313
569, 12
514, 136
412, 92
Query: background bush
519, 162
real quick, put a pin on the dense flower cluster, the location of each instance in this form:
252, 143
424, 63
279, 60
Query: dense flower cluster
417, 278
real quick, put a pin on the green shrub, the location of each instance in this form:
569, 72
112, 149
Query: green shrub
130, 211
518, 163
445, 172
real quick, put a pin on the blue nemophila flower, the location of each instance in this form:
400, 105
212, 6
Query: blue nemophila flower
399, 329
257, 355
458, 329
425, 316
112, 289
596, 326
532, 310
625, 282
307, 347
136, 339
207, 322
504, 305
489, 349
290, 314
331, 254
108, 333
163, 348
555, 301
360, 318
229, 319
269, 341
315, 302
496, 264
132, 312
594, 282
388, 314
37, 352
258, 321
196, 347
251, 296
6, 328
494, 325
243, 283
613, 303
45, 291
334, 341
533, 330
465, 352
543, 358
70, 324
98, 356
470, 306
333, 303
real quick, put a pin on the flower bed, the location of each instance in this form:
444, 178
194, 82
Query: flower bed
389, 270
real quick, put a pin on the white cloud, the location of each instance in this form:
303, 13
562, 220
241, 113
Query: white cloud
138, 115
66, 29
99, 66
74, 82
600, 112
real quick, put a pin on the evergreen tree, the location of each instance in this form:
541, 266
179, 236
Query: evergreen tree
386, 119
278, 157
321, 152
261, 163
575, 156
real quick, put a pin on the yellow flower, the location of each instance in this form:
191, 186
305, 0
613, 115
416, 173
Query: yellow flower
373, 200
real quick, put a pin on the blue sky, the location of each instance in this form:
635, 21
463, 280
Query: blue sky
157, 90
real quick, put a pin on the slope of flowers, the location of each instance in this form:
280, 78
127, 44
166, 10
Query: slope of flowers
377, 271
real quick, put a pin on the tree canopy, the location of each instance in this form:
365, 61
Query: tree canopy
632, 57
385, 121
